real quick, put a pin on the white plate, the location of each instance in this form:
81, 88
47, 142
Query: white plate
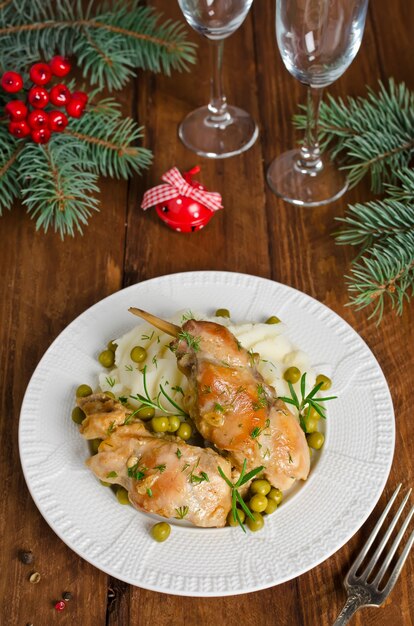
315, 520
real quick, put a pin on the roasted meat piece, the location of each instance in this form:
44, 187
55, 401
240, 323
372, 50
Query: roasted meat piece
234, 409
103, 414
164, 475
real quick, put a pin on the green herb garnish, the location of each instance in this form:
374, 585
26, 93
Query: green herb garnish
192, 342
178, 453
188, 315
110, 381
181, 512
147, 337
129, 368
112, 475
161, 468
235, 494
156, 403
178, 389
306, 402
261, 401
149, 492
136, 472
112, 427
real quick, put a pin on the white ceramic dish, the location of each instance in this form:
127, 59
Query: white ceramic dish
315, 520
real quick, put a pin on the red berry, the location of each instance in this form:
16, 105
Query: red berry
80, 95
57, 121
38, 97
59, 66
38, 119
40, 73
16, 109
19, 129
11, 82
60, 606
59, 95
42, 135
75, 107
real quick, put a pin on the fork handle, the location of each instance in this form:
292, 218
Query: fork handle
350, 607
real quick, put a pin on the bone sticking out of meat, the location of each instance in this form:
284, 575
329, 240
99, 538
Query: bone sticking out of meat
163, 325
235, 409
166, 476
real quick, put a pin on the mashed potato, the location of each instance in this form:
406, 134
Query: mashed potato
277, 353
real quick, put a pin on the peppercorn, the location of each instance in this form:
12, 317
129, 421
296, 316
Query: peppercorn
26, 556
67, 596
60, 606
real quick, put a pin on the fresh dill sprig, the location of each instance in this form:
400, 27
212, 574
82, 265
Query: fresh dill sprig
307, 402
235, 494
181, 512
192, 342
110, 381
156, 403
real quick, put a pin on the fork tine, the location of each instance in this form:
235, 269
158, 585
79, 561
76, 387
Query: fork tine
378, 551
394, 547
372, 536
397, 569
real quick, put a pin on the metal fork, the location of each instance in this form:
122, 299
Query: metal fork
360, 592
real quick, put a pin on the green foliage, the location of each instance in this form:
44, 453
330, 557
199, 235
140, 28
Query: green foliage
56, 186
372, 135
110, 40
384, 268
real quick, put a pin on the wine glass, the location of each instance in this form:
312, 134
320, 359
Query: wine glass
217, 130
318, 40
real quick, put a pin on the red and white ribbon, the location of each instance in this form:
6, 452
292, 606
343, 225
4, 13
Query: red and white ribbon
177, 186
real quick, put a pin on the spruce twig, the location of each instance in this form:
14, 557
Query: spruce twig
372, 135
110, 41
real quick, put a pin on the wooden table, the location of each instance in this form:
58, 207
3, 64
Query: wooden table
46, 283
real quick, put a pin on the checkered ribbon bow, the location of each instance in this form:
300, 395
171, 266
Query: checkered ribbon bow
177, 186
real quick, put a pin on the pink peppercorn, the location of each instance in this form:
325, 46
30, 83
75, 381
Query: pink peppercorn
60, 606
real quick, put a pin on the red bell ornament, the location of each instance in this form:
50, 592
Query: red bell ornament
182, 203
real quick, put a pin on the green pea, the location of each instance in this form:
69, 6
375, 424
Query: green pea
94, 445
273, 320
146, 413
276, 495
315, 440
260, 486
174, 423
107, 358
271, 507
78, 415
161, 531
112, 346
258, 503
311, 424
110, 394
292, 375
122, 495
256, 524
184, 431
83, 391
160, 424
138, 354
233, 522
326, 382
222, 313
313, 413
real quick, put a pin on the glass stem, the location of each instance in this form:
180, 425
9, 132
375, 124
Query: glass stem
310, 161
217, 106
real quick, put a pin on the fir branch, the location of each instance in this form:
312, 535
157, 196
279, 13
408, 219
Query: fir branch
385, 231
10, 149
55, 187
109, 140
109, 40
372, 135
384, 272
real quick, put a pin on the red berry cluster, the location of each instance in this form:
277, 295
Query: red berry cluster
37, 122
